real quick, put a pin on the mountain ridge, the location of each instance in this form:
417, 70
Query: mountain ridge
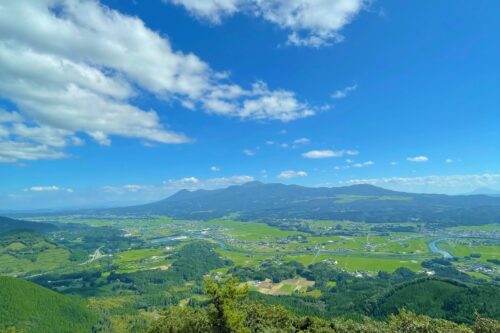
362, 202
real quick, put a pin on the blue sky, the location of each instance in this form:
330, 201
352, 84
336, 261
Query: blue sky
123, 101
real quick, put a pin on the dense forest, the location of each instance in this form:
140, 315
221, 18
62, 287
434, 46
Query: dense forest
34, 309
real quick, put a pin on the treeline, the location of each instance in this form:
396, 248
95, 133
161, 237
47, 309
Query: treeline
230, 311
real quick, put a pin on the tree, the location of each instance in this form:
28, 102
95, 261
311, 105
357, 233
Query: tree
224, 305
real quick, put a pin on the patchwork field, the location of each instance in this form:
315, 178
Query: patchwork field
285, 287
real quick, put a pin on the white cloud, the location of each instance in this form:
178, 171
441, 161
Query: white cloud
342, 93
318, 154
448, 160
43, 188
351, 164
394, 163
193, 183
418, 159
212, 10
438, 184
188, 180
288, 174
18, 141
248, 152
302, 141
363, 164
312, 23
77, 65
214, 169
172, 185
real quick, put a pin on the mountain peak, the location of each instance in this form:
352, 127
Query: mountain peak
254, 183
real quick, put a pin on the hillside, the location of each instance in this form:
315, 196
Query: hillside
31, 308
24, 251
255, 200
7, 224
446, 299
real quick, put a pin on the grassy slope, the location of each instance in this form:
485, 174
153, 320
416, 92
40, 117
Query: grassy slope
32, 308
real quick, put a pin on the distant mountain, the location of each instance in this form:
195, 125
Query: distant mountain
256, 200
31, 308
7, 224
485, 191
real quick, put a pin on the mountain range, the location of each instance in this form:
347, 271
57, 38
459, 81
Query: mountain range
258, 201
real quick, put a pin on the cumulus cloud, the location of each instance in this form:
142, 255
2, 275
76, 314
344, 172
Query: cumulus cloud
212, 10
288, 174
76, 67
342, 93
444, 184
418, 159
319, 154
312, 23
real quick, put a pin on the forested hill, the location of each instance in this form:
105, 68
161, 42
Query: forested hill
368, 203
7, 224
28, 307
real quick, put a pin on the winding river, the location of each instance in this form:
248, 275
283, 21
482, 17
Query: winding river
433, 247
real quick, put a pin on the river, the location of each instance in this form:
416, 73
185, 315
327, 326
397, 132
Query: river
175, 239
433, 247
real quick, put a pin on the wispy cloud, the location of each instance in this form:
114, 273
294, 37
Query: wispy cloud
320, 154
248, 152
350, 164
214, 169
288, 174
418, 159
363, 164
51, 188
342, 93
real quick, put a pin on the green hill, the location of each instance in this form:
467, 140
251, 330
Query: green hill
7, 224
32, 308
25, 251
446, 299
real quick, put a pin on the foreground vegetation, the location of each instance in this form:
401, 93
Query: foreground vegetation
34, 309
229, 311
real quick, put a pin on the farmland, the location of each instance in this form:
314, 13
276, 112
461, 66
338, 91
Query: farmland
128, 267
